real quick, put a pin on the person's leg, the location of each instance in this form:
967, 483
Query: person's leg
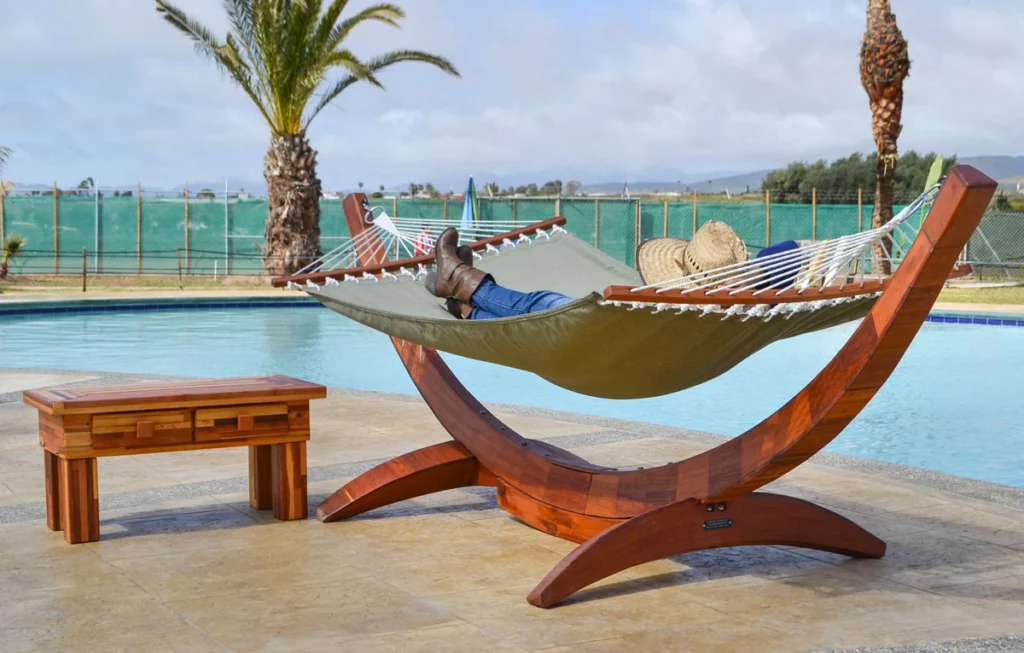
481, 314
493, 300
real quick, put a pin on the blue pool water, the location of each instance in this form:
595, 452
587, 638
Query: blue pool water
955, 404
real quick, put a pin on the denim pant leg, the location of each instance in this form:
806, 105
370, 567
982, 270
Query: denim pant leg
491, 300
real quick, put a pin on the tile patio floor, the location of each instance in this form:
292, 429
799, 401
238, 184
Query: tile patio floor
184, 564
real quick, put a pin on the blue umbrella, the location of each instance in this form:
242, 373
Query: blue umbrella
469, 215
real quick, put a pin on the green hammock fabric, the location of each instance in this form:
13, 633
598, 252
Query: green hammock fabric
602, 351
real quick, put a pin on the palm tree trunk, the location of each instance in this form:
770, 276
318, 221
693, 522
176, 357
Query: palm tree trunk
885, 175
293, 194
884, 64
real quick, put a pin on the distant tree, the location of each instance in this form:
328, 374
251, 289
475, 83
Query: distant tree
551, 188
85, 186
432, 192
1003, 202
5, 154
572, 188
492, 189
376, 195
381, 189
838, 182
360, 186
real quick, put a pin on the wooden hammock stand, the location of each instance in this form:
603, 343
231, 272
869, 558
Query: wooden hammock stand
626, 518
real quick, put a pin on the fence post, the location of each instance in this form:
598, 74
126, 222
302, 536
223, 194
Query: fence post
3, 198
767, 218
694, 213
138, 229
814, 213
96, 227
179, 268
597, 223
558, 206
515, 210
636, 230
664, 219
186, 233
227, 240
394, 206
85, 259
56, 233
860, 210
446, 209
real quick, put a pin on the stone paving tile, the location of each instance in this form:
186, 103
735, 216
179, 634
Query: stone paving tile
216, 572
114, 620
502, 613
457, 638
315, 615
31, 380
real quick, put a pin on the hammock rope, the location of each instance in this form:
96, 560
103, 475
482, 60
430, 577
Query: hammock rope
816, 265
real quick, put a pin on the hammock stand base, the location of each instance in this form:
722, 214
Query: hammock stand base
624, 518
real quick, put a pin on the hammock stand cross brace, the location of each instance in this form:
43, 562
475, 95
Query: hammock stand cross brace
626, 518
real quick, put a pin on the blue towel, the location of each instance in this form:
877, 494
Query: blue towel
785, 274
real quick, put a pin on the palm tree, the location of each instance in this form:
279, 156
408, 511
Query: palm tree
884, 64
11, 246
280, 53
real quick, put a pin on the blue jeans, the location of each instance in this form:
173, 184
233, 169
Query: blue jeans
491, 301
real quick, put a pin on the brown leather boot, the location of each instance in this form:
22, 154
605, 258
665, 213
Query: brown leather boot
453, 278
465, 254
459, 309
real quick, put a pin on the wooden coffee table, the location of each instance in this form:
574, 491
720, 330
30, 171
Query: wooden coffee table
270, 415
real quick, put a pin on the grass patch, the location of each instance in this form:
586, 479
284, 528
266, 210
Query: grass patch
128, 283
983, 295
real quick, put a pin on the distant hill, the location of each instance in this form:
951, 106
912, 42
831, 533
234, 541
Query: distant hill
997, 167
733, 183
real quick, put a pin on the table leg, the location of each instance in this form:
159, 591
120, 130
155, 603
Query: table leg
79, 500
260, 477
289, 485
51, 472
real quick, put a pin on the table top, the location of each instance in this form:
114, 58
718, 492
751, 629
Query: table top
179, 394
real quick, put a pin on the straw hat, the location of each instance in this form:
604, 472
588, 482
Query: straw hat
714, 245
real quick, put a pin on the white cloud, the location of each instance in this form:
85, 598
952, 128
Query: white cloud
604, 90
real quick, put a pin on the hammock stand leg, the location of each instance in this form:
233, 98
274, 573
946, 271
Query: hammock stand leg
759, 519
629, 517
444, 466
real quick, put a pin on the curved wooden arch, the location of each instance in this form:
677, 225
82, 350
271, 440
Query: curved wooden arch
557, 492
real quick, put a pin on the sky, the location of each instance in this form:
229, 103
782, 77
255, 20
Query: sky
595, 90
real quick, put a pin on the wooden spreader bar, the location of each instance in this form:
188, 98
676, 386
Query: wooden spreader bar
625, 518
376, 267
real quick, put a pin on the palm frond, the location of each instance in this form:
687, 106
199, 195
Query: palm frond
5, 154
385, 60
205, 42
329, 96
383, 13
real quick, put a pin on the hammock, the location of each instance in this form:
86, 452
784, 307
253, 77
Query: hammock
619, 339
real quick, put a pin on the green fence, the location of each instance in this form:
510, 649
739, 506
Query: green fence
129, 235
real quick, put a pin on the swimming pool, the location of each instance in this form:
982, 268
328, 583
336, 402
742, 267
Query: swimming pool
953, 405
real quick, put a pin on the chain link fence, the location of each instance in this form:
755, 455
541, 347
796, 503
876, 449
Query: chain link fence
222, 233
